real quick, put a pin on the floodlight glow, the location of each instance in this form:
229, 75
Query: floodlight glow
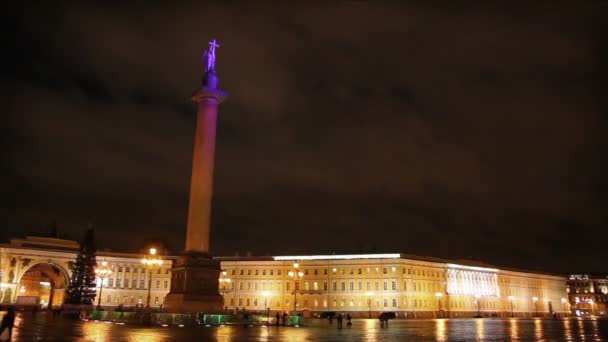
337, 257
475, 268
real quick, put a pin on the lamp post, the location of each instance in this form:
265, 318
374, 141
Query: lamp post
564, 300
511, 300
369, 303
224, 281
102, 272
295, 274
439, 295
150, 261
266, 294
535, 300
478, 307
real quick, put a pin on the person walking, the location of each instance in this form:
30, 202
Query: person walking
277, 319
349, 320
6, 327
339, 319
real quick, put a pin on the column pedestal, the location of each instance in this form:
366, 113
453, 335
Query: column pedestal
194, 285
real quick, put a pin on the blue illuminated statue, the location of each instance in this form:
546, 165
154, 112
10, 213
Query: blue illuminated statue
209, 56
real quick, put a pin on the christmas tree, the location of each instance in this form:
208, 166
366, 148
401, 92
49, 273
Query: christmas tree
82, 284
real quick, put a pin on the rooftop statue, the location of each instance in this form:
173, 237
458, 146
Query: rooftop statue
209, 57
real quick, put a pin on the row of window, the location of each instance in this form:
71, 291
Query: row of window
342, 286
130, 300
119, 269
134, 283
335, 270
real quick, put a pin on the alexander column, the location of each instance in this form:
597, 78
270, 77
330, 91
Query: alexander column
194, 277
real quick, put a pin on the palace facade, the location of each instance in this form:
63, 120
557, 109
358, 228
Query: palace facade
37, 270
588, 294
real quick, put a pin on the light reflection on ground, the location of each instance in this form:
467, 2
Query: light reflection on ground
41, 326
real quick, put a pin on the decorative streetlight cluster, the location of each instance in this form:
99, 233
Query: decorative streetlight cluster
266, 294
369, 295
102, 273
439, 295
224, 282
151, 261
535, 300
295, 274
511, 300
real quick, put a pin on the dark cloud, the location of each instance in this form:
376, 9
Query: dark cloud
452, 132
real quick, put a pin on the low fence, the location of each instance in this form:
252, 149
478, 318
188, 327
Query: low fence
187, 319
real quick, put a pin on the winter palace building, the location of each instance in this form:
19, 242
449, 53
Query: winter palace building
36, 270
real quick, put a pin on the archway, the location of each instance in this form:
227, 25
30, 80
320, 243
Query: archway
43, 284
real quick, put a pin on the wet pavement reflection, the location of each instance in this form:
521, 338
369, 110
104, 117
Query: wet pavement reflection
43, 327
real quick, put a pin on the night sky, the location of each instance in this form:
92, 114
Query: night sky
474, 132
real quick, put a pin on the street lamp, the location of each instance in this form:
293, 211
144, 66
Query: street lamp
295, 274
150, 261
266, 294
369, 303
477, 303
564, 305
102, 272
439, 295
511, 300
224, 282
535, 300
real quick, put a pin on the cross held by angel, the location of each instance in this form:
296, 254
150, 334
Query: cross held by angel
209, 56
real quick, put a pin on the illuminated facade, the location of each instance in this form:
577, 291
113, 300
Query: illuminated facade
588, 294
36, 270
362, 284
407, 285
